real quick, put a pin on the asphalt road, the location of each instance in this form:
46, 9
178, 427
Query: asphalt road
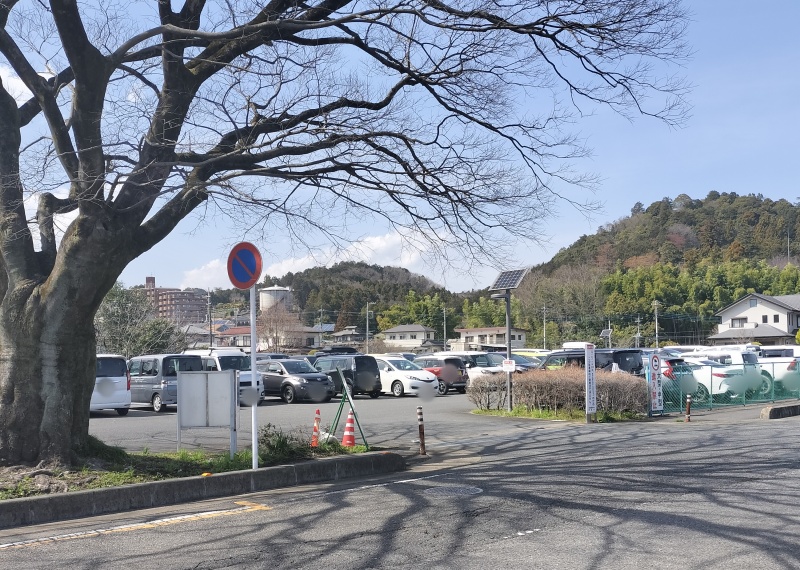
719, 492
386, 421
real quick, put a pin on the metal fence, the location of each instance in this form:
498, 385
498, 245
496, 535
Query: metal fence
731, 385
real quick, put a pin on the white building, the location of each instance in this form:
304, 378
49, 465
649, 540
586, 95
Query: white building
769, 320
407, 337
487, 338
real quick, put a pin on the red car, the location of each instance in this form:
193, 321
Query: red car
450, 371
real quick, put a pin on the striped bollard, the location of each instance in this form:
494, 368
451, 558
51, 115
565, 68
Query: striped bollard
421, 431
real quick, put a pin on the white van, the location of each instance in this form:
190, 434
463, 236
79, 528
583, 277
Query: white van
230, 359
112, 384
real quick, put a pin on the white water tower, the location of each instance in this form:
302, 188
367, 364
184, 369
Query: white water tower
272, 296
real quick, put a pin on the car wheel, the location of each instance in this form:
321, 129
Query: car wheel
442, 388
397, 389
461, 390
374, 394
158, 404
701, 396
327, 399
288, 395
765, 390
122, 411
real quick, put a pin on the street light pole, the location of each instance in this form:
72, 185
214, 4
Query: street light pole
507, 297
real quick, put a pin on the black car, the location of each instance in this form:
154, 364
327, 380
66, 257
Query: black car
295, 380
360, 372
627, 359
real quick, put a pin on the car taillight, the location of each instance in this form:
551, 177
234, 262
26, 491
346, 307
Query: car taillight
792, 365
668, 372
128, 375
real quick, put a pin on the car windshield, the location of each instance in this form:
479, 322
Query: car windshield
297, 366
403, 364
234, 362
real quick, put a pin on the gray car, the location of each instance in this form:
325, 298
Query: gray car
294, 380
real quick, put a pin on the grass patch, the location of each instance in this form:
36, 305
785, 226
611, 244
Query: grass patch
102, 465
562, 415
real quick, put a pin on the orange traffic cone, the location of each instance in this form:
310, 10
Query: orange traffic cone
349, 437
315, 433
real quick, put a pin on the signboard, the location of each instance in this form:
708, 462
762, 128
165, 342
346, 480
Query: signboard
591, 387
656, 387
244, 265
509, 366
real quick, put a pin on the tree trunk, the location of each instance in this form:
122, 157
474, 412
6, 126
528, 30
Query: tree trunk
47, 356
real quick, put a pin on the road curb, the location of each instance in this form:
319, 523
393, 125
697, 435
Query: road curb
777, 412
79, 504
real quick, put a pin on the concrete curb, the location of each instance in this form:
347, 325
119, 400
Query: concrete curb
777, 412
78, 504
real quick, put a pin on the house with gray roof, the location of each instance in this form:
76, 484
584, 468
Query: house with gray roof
408, 336
765, 319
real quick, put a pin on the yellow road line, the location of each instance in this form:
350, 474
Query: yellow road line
246, 507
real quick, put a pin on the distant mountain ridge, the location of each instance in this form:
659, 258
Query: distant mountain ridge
722, 226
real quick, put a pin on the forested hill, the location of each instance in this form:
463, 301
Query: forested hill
721, 227
353, 284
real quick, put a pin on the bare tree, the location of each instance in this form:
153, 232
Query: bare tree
279, 328
447, 121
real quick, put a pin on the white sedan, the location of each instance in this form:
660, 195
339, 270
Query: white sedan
400, 376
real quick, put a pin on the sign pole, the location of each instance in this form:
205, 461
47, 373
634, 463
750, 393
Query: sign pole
244, 271
253, 372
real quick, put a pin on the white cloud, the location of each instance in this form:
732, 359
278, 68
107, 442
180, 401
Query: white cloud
212, 275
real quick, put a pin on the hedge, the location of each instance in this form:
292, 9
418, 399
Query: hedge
563, 389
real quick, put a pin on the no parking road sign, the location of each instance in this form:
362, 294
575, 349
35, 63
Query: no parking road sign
244, 265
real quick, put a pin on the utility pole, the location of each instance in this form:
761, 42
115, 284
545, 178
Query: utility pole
655, 305
544, 327
366, 341
444, 327
210, 323
638, 330
320, 327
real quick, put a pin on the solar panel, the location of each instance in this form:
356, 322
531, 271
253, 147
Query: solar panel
508, 279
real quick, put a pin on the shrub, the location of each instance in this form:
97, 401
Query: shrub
561, 390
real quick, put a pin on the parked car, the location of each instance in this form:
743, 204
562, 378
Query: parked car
154, 378
521, 363
229, 359
407, 355
628, 360
782, 367
400, 376
360, 372
112, 384
449, 370
271, 356
476, 362
678, 379
716, 380
294, 380
747, 362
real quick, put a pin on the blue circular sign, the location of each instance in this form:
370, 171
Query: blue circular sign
244, 265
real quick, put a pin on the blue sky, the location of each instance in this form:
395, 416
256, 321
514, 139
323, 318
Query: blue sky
742, 137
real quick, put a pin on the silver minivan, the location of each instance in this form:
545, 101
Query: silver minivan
154, 378
112, 385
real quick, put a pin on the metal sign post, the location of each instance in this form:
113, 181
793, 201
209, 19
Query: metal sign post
591, 386
244, 271
656, 388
